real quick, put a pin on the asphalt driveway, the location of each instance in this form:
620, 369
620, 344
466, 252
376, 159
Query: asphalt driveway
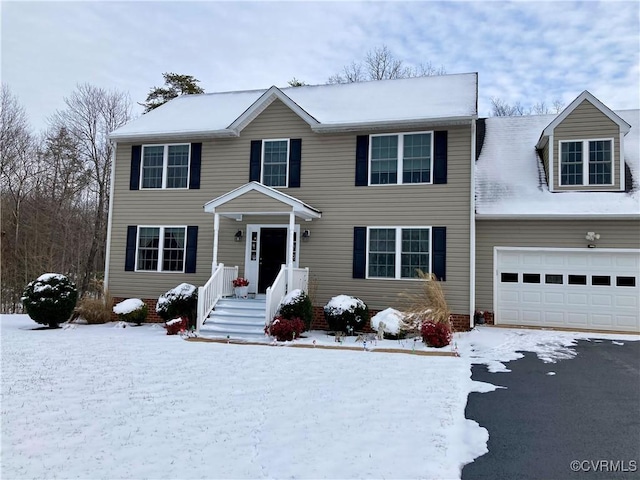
585, 410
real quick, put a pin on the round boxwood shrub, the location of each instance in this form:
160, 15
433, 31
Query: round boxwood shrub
346, 314
132, 310
50, 299
297, 304
181, 301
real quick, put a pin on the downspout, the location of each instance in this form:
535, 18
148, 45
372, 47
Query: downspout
107, 253
472, 228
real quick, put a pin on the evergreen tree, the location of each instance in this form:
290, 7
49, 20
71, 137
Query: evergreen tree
174, 86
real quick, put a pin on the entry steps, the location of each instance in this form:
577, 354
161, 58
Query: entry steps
238, 319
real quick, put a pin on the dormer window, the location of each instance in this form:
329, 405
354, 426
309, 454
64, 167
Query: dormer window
586, 162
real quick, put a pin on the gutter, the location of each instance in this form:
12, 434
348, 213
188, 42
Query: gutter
395, 124
123, 137
558, 216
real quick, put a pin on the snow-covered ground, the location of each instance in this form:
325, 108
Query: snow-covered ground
103, 401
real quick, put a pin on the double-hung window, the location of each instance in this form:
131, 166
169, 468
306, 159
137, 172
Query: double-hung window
398, 252
161, 249
401, 158
165, 166
275, 162
586, 162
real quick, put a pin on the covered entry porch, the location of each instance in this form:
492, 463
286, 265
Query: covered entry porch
273, 225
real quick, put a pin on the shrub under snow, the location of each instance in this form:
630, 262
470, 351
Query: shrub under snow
297, 304
132, 310
346, 314
389, 321
50, 299
181, 301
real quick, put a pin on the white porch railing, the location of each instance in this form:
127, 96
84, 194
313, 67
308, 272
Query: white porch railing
218, 286
280, 287
275, 293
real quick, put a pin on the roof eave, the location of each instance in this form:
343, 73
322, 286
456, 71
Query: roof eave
385, 124
191, 134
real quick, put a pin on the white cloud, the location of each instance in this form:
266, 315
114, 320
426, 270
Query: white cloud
523, 51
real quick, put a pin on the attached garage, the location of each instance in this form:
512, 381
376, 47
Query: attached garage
595, 288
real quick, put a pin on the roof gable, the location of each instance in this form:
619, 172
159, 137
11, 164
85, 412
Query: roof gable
624, 126
299, 208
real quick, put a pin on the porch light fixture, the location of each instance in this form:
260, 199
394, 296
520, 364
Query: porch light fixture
592, 238
238, 236
306, 234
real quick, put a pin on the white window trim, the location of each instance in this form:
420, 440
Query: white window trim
398, 252
400, 153
585, 162
165, 166
161, 248
286, 175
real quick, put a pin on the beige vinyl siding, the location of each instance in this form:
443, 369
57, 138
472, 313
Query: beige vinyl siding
542, 233
251, 202
584, 123
327, 184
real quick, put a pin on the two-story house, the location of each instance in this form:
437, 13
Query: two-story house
349, 189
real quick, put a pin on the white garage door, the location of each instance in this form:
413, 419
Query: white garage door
582, 289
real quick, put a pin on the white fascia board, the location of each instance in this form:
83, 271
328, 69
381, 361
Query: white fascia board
107, 253
266, 99
624, 126
558, 216
392, 124
145, 137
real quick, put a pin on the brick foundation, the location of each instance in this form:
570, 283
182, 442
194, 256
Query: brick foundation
152, 316
460, 323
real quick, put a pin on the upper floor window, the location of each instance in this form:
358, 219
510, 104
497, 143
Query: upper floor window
275, 162
165, 166
161, 249
586, 162
398, 252
401, 158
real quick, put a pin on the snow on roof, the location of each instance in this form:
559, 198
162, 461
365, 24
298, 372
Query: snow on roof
421, 98
510, 179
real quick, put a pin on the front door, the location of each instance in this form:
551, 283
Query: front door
273, 253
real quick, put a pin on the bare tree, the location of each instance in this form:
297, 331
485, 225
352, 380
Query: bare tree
500, 108
91, 113
381, 64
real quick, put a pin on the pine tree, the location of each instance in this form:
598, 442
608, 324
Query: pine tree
174, 86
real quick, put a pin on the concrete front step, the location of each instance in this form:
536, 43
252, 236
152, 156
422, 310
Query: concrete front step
237, 318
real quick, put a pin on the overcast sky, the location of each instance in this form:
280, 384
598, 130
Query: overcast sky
522, 51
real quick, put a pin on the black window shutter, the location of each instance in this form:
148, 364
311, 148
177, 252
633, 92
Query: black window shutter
255, 160
136, 158
440, 157
295, 160
439, 254
192, 249
196, 162
359, 252
362, 161
130, 256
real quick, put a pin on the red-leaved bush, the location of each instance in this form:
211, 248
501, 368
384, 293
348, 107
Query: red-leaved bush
285, 329
176, 325
436, 334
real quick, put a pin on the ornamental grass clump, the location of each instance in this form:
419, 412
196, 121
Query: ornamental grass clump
94, 311
132, 310
50, 299
297, 304
181, 301
346, 314
429, 307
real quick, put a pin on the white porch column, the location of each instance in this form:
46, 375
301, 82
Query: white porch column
292, 232
216, 229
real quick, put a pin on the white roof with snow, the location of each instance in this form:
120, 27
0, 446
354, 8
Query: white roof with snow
324, 107
510, 180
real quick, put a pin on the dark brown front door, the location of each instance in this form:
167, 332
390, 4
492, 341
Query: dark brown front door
273, 253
